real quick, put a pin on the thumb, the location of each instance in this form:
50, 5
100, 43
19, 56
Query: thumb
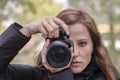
44, 50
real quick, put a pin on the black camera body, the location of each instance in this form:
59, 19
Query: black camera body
58, 53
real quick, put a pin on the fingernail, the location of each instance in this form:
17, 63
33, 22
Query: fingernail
68, 32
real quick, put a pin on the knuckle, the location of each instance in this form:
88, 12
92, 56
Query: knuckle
45, 33
65, 28
50, 18
53, 17
51, 30
62, 22
55, 28
43, 61
46, 18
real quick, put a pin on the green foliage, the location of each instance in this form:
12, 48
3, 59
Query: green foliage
2, 28
40, 9
24, 11
99, 9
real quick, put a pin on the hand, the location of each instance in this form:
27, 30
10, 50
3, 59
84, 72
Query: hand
46, 64
48, 27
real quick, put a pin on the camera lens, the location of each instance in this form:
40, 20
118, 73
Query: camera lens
58, 54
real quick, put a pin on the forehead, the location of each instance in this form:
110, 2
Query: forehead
79, 30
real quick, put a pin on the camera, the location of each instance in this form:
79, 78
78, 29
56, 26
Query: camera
58, 53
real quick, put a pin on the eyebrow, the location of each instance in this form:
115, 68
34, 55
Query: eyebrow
81, 40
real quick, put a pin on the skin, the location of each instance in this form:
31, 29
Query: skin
48, 27
83, 47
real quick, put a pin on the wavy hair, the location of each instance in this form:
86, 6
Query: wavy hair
100, 54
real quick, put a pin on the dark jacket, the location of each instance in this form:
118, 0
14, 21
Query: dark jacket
12, 40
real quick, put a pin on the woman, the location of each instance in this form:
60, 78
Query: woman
89, 61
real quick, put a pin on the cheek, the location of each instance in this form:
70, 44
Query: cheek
85, 61
85, 57
86, 52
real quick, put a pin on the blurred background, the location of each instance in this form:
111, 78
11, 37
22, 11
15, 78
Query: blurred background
105, 12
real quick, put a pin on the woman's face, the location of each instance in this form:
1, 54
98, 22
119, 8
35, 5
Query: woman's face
82, 49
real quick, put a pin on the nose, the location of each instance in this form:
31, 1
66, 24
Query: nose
75, 51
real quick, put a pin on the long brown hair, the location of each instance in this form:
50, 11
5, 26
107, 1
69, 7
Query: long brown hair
100, 54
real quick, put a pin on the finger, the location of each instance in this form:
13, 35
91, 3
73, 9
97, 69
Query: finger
72, 49
55, 26
49, 28
62, 24
44, 36
45, 46
56, 33
72, 52
44, 50
43, 31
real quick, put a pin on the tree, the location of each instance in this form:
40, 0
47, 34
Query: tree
24, 11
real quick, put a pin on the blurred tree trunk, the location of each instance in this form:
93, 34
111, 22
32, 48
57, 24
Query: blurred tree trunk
111, 35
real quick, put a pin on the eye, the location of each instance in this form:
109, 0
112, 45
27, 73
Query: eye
82, 43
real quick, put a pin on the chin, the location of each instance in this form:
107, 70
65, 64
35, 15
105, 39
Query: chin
77, 70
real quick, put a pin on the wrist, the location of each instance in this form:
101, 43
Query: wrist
25, 31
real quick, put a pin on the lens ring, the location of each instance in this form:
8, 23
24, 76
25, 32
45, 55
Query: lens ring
58, 63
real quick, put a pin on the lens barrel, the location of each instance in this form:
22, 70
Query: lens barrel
58, 53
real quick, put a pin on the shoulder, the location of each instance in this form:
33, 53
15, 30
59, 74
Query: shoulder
99, 75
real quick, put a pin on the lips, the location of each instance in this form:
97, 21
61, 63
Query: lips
76, 64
